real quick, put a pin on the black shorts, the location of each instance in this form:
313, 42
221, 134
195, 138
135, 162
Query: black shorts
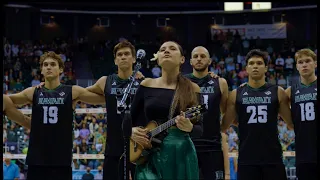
306, 171
262, 172
49, 172
211, 165
113, 168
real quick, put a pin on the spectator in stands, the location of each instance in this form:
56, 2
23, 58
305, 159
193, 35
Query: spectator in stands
243, 75
291, 138
289, 65
93, 163
282, 128
15, 50
93, 127
270, 49
100, 146
232, 138
7, 50
12, 138
214, 68
4, 134
101, 119
282, 82
245, 45
10, 170
279, 64
156, 71
18, 85
17, 67
35, 81
88, 175
99, 175
272, 80
78, 140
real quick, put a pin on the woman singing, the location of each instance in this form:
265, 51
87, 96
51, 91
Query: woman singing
161, 99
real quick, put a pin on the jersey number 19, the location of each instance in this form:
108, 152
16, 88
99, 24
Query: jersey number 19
50, 115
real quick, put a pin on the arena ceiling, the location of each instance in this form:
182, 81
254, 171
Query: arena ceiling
144, 6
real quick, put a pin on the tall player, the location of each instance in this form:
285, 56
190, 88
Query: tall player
256, 106
215, 95
14, 114
303, 96
112, 87
50, 146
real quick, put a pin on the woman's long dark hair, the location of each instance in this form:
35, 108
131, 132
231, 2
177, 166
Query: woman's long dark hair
185, 95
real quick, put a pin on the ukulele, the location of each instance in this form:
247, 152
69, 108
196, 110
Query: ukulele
138, 152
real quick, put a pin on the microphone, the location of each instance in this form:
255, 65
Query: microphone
141, 54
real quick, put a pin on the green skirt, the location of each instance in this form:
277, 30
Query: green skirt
176, 159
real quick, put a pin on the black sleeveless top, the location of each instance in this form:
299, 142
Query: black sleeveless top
154, 104
51, 127
113, 91
211, 94
304, 115
257, 111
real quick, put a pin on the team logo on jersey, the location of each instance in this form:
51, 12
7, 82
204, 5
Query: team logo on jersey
114, 84
219, 175
62, 94
245, 93
41, 94
297, 92
136, 83
315, 89
268, 93
210, 82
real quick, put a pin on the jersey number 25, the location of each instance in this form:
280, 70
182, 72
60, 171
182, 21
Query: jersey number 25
257, 117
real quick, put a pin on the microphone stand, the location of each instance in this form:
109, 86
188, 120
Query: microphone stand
124, 108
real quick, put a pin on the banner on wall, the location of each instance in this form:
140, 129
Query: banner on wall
264, 31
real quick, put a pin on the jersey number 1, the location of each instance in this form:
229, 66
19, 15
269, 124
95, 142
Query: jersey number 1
262, 114
307, 111
50, 115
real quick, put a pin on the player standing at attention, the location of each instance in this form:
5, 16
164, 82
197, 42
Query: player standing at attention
112, 87
256, 105
52, 118
215, 94
303, 101
14, 114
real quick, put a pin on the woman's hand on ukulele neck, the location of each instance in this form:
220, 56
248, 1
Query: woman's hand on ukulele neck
183, 123
139, 135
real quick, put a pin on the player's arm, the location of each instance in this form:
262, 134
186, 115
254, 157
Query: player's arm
284, 108
288, 92
98, 87
14, 114
225, 155
231, 112
23, 97
224, 95
82, 94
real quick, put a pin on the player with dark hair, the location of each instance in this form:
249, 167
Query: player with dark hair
161, 99
256, 106
112, 88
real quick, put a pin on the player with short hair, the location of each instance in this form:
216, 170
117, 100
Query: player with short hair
52, 119
215, 94
303, 102
256, 106
112, 88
